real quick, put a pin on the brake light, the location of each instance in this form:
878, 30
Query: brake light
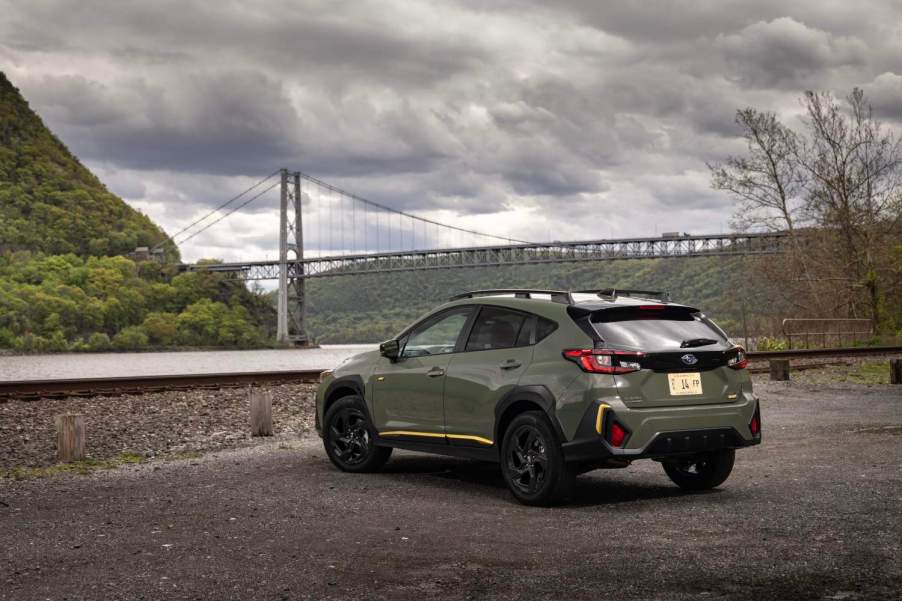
755, 424
739, 360
605, 361
617, 435
651, 307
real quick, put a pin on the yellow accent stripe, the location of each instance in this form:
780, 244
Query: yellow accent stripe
479, 439
599, 418
409, 433
469, 437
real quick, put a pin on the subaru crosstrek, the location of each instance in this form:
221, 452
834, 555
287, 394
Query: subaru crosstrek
549, 384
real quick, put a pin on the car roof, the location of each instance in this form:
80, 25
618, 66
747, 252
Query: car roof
584, 301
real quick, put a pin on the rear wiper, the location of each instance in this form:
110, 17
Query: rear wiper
697, 342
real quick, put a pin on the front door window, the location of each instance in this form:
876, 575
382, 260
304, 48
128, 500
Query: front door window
437, 337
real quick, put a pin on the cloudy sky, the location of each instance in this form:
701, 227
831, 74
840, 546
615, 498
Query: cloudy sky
583, 120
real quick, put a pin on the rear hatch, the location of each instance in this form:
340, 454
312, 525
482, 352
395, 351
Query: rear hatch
682, 357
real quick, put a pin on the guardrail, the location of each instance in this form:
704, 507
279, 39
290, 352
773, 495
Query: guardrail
827, 330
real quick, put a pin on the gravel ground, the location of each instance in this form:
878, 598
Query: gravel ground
149, 425
813, 513
195, 421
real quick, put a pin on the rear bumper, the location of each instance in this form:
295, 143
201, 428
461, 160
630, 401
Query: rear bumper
662, 446
663, 433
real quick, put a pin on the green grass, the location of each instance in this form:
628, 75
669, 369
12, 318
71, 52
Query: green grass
876, 372
81, 467
870, 373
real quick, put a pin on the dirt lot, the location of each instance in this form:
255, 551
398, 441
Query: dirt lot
813, 513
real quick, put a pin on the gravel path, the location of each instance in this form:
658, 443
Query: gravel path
149, 425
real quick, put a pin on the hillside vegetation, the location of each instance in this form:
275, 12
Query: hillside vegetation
51, 203
69, 303
64, 285
374, 307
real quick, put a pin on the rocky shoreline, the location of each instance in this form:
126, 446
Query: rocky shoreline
158, 424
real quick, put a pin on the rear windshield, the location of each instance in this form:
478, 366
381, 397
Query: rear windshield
668, 328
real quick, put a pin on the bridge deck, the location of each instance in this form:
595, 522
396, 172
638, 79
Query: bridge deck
512, 254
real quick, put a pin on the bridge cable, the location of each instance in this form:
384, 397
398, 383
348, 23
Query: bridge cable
238, 208
391, 210
220, 207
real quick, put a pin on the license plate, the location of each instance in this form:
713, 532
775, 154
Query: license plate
683, 384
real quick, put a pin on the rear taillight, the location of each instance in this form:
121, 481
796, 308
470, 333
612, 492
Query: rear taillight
755, 423
605, 361
739, 360
616, 435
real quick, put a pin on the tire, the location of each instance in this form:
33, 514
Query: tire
348, 437
532, 461
701, 472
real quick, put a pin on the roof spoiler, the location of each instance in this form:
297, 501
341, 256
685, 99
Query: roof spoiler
557, 296
612, 293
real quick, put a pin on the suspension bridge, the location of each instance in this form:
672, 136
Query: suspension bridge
326, 231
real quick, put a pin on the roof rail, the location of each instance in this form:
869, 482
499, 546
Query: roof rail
615, 292
557, 296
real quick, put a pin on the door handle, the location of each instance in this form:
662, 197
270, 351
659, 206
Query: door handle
510, 364
435, 372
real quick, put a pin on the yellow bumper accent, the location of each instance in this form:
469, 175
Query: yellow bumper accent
479, 439
599, 418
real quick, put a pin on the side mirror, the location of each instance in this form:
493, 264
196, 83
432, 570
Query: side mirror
390, 349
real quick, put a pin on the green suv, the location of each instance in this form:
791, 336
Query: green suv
550, 384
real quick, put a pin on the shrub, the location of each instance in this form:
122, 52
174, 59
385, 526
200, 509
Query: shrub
98, 341
131, 338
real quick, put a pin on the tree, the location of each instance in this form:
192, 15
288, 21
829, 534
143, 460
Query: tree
161, 328
769, 182
836, 188
131, 338
855, 189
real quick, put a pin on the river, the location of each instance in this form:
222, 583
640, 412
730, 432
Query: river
104, 365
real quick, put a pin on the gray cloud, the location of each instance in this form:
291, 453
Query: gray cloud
786, 53
511, 116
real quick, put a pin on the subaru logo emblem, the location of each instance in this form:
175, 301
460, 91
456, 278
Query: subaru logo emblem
689, 359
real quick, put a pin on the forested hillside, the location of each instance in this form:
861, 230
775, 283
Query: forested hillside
49, 202
374, 307
64, 284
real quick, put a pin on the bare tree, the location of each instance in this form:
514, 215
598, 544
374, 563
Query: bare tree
770, 185
769, 181
855, 169
836, 189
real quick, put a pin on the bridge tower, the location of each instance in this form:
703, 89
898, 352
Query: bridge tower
290, 320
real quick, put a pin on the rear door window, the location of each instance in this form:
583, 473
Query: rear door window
657, 329
496, 328
534, 330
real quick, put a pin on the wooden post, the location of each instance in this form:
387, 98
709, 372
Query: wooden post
261, 412
779, 369
70, 437
895, 371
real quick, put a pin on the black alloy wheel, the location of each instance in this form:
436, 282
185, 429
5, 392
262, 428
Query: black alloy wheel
527, 459
349, 437
532, 461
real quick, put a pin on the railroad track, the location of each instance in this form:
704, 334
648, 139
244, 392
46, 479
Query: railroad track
37, 389
852, 351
